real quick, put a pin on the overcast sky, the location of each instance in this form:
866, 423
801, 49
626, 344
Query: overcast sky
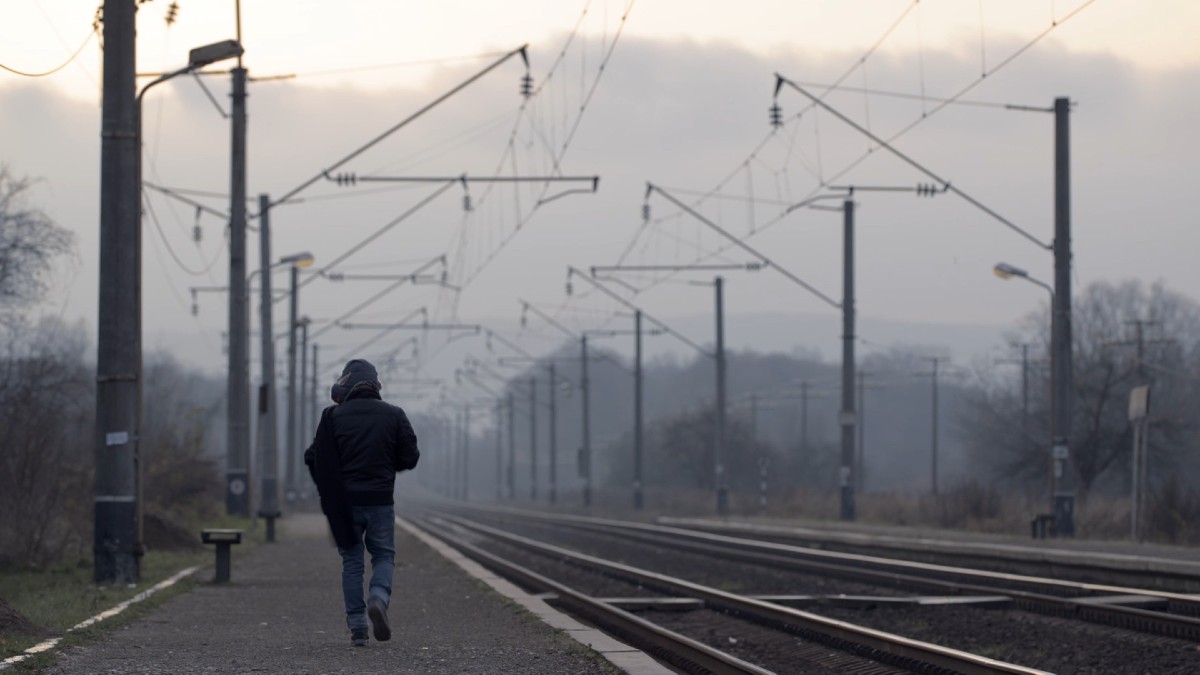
682, 102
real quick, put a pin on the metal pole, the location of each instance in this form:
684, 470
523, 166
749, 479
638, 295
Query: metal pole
553, 434
237, 494
512, 448
533, 472
719, 434
637, 410
1135, 482
804, 420
1064, 476
753, 417
933, 475
847, 418
587, 421
314, 401
861, 426
118, 356
1025, 389
303, 434
499, 451
268, 450
465, 460
293, 312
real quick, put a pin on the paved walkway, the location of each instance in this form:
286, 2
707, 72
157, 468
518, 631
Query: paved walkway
282, 613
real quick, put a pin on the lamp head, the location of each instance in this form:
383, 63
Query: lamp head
1006, 271
298, 260
217, 51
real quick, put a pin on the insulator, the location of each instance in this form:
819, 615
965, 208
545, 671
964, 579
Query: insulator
570, 289
776, 115
524, 320
172, 12
645, 213
467, 203
195, 309
527, 85
197, 233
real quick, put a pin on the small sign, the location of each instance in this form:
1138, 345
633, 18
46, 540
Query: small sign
1139, 403
116, 438
237, 486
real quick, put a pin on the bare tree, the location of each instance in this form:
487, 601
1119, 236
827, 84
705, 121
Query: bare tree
30, 241
1107, 366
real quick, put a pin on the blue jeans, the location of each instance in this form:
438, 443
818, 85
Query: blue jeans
375, 524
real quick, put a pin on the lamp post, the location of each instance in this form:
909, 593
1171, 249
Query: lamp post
1059, 466
238, 457
298, 261
268, 449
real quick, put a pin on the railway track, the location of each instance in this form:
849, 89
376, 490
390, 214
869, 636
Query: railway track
859, 649
1154, 612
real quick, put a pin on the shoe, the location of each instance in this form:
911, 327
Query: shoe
358, 637
379, 620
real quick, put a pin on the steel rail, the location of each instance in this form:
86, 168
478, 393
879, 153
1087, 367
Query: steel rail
877, 645
905, 573
678, 650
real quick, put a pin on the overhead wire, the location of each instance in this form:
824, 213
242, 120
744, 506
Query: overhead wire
57, 68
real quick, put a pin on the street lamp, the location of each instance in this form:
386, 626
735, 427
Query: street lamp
1006, 272
298, 261
267, 416
1059, 458
237, 496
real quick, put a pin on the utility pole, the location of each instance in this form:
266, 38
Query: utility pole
860, 463
847, 417
637, 410
499, 450
719, 440
933, 436
1061, 359
268, 446
302, 405
533, 458
116, 545
553, 435
465, 460
315, 401
754, 417
804, 420
512, 448
237, 493
293, 318
587, 422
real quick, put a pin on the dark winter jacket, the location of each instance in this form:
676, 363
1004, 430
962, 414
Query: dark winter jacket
374, 441
359, 447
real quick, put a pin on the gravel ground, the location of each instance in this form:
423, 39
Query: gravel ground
283, 614
1057, 645
735, 577
763, 646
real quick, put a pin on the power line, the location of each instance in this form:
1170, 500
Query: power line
52, 71
396, 64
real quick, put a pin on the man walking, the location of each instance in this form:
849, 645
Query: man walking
360, 445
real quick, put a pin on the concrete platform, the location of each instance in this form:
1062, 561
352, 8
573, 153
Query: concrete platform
282, 613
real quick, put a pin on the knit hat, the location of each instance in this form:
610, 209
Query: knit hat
358, 373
